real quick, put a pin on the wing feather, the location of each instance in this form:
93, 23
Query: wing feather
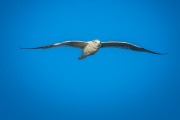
127, 45
77, 44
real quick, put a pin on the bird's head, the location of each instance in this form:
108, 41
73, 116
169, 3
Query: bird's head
97, 42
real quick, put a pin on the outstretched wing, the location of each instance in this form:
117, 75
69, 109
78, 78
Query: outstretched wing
78, 44
126, 45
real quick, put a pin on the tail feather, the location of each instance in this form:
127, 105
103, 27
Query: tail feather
82, 57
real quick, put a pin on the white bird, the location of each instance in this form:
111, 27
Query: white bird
91, 47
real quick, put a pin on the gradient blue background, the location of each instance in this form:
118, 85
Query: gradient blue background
113, 84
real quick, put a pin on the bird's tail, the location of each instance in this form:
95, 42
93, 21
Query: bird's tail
81, 57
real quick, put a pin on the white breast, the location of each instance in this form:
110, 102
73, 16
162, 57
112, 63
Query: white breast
91, 48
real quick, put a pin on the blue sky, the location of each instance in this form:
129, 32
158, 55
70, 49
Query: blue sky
112, 84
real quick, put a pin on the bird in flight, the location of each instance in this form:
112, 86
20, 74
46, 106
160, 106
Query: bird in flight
91, 47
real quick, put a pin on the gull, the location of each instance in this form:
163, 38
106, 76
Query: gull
91, 47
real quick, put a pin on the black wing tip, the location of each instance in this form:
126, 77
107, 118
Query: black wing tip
160, 53
30, 48
152, 52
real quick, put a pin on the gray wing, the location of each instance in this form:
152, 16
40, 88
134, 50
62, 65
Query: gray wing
126, 45
77, 44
